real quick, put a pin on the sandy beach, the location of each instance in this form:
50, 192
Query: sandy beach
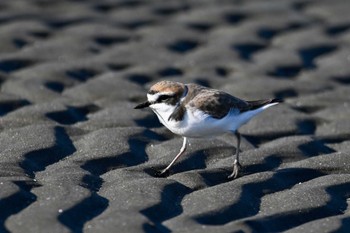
75, 156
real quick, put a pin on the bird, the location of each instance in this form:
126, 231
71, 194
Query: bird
194, 111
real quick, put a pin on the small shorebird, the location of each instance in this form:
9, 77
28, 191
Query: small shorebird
194, 111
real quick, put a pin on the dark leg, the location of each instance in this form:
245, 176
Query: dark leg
236, 165
182, 150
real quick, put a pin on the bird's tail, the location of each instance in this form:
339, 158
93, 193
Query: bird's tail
263, 103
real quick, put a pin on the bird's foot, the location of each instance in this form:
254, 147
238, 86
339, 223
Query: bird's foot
162, 173
236, 168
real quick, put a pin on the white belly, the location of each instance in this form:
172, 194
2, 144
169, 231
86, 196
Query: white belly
197, 124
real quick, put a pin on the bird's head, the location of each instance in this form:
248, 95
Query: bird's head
164, 94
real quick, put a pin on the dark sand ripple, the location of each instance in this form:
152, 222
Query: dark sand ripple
76, 157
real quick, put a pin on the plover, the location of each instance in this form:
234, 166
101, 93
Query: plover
194, 111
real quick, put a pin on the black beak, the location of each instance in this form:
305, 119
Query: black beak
143, 105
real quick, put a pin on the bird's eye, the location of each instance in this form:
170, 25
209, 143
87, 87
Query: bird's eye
163, 98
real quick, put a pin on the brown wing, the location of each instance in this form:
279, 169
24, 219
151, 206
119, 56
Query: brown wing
215, 103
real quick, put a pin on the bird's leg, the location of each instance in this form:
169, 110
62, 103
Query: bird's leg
182, 150
236, 164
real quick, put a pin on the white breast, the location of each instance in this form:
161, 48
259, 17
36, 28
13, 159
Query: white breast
163, 112
194, 124
198, 124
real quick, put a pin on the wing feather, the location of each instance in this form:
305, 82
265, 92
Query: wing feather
218, 103
215, 103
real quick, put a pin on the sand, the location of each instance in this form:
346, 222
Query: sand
76, 157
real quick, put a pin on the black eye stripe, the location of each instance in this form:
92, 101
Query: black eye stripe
164, 97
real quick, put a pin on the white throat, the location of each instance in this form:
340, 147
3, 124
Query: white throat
163, 112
